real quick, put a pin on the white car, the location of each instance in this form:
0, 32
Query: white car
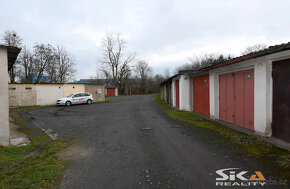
76, 98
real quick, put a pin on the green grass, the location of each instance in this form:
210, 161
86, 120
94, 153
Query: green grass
21, 169
32, 107
254, 146
18, 120
43, 170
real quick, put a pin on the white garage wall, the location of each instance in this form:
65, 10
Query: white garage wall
263, 89
4, 101
48, 94
173, 93
184, 92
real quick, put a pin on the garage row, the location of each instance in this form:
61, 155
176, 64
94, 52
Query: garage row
24, 94
251, 91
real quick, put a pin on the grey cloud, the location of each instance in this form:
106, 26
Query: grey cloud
154, 27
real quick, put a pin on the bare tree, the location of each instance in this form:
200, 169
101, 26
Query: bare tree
167, 73
25, 61
11, 38
56, 63
115, 61
202, 61
43, 58
143, 72
52, 69
156, 80
254, 48
64, 65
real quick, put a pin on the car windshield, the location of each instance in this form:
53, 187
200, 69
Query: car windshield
70, 95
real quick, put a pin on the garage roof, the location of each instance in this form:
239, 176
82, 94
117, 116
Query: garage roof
12, 55
269, 50
201, 71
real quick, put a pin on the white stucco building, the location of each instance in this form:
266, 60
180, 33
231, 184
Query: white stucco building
8, 56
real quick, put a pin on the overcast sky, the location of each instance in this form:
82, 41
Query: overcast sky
162, 32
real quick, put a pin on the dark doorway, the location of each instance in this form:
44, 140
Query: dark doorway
281, 100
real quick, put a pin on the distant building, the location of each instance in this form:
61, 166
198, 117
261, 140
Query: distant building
43, 79
29, 94
110, 89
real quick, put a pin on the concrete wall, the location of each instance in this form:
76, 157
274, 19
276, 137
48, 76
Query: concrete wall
263, 88
4, 103
173, 91
184, 92
73, 88
22, 95
98, 92
47, 94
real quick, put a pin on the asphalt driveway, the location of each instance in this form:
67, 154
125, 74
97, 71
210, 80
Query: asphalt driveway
130, 143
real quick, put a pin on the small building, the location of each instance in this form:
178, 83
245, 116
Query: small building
8, 56
47, 94
251, 91
110, 89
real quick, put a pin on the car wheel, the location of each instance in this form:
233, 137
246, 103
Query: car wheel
68, 103
89, 101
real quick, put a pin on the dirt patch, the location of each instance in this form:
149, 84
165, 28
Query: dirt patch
74, 152
17, 138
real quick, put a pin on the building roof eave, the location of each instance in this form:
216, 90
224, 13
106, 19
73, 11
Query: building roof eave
12, 53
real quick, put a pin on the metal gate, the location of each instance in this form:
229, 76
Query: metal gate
110, 91
177, 92
281, 100
236, 98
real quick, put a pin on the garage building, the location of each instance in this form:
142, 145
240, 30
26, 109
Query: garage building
251, 92
47, 94
8, 56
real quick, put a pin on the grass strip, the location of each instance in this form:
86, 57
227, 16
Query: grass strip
43, 169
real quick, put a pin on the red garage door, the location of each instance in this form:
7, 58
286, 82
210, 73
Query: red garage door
201, 95
177, 92
236, 98
110, 91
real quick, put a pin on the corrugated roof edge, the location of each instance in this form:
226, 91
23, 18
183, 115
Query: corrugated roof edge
169, 79
269, 50
12, 54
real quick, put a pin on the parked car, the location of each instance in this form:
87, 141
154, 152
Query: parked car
76, 98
